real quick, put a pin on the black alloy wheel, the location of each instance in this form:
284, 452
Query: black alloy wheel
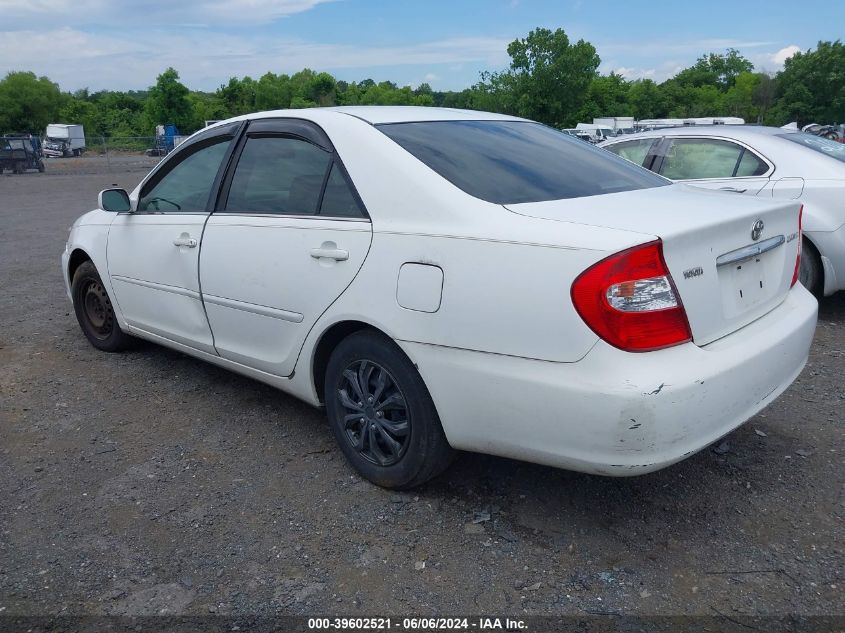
376, 419
382, 414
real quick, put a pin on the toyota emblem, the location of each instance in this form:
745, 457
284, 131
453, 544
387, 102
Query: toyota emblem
757, 230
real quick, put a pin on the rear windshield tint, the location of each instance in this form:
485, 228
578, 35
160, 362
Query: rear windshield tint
817, 143
510, 162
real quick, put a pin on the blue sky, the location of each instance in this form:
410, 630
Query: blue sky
124, 44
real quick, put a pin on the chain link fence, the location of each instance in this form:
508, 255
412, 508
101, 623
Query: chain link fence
102, 154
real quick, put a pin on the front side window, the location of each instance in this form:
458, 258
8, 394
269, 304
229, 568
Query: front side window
278, 175
185, 186
634, 151
698, 158
511, 162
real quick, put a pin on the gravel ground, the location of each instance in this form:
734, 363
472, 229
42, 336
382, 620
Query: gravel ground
148, 482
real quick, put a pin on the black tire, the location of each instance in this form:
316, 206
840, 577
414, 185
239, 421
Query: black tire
395, 410
18, 168
811, 273
41, 166
94, 311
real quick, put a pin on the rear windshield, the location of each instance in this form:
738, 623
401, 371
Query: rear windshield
817, 143
510, 162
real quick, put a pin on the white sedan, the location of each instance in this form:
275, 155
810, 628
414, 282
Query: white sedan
443, 279
764, 162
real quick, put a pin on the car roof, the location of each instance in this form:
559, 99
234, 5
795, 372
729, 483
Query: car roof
730, 131
376, 115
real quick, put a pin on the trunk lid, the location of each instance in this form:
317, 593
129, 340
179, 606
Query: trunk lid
726, 277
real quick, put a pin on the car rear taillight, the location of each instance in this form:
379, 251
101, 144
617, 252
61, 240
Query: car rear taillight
630, 300
797, 272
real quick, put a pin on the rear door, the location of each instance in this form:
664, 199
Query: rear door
288, 235
713, 163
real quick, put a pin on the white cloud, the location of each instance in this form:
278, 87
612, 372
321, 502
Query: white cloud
657, 73
669, 47
121, 13
206, 58
431, 77
20, 7
785, 53
254, 10
635, 73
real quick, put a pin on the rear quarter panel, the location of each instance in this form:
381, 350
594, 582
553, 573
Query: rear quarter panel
497, 297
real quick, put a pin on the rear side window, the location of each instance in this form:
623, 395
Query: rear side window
751, 165
511, 162
698, 158
634, 151
338, 200
278, 175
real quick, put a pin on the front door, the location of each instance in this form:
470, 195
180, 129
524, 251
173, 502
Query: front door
288, 236
153, 252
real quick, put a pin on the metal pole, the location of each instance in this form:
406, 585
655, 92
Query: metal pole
106, 151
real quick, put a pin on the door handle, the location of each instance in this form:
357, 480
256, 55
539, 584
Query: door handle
329, 250
733, 190
185, 240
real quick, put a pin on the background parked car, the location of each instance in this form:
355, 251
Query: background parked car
767, 163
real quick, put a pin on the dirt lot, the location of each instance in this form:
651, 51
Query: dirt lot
148, 482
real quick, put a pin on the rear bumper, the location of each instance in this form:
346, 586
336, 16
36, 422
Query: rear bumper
613, 412
831, 247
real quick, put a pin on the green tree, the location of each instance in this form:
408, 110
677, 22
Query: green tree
81, 112
272, 92
119, 114
322, 89
207, 107
28, 103
715, 69
811, 86
646, 100
168, 102
764, 96
606, 96
238, 95
547, 80
739, 99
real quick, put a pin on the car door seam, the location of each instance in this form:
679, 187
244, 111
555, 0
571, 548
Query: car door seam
328, 307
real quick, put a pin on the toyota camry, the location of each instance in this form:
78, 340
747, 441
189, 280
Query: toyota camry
443, 280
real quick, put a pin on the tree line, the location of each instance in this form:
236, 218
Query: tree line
550, 79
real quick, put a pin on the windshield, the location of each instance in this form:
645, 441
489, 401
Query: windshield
818, 144
511, 162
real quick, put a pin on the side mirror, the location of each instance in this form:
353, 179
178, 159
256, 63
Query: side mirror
114, 200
